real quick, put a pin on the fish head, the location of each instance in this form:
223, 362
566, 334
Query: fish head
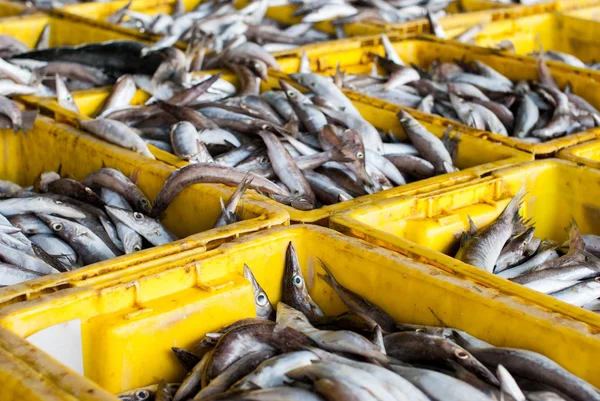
142, 203
264, 309
62, 227
292, 93
294, 286
132, 243
469, 362
307, 80
135, 220
140, 394
355, 144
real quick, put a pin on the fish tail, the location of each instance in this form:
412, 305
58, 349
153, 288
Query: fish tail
328, 276
575, 239
511, 212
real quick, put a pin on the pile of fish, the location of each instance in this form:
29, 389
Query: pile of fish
303, 150
219, 26
476, 95
61, 224
508, 248
297, 353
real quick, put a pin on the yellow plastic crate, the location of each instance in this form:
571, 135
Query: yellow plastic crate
586, 154
51, 146
553, 31
63, 32
127, 328
590, 13
475, 156
355, 56
95, 13
12, 9
427, 227
480, 12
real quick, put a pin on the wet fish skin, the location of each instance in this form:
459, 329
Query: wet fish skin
528, 364
116, 181
207, 173
271, 373
440, 387
337, 371
57, 248
147, 227
75, 190
13, 112
252, 338
428, 144
132, 241
330, 340
419, 347
118, 133
38, 204
483, 248
286, 169
87, 244
579, 294
233, 373
121, 94
11, 274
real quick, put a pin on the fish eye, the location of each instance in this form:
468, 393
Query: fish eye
142, 395
261, 299
360, 155
137, 248
57, 226
460, 354
89, 190
291, 94
264, 126
138, 216
143, 201
297, 280
264, 159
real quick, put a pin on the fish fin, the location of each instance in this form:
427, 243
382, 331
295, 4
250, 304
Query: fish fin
222, 205
252, 385
327, 277
37, 76
374, 73
292, 127
575, 239
544, 72
338, 77
378, 339
511, 212
28, 117
472, 227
